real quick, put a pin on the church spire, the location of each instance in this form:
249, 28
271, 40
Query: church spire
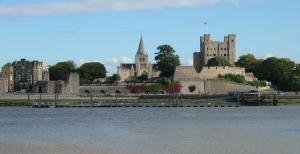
141, 49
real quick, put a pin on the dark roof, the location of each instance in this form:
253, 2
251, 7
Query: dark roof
141, 49
127, 66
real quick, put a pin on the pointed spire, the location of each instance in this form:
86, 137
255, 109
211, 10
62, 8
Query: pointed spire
141, 49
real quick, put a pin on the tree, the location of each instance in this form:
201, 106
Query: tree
88, 72
175, 88
166, 60
249, 62
61, 70
218, 61
275, 69
144, 77
115, 78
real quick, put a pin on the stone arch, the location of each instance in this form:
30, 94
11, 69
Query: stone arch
192, 88
102, 92
87, 91
117, 92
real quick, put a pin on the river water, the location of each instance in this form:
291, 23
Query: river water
244, 130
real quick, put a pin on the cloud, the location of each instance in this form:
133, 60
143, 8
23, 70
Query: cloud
268, 55
85, 6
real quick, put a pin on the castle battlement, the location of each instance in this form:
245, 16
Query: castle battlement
210, 49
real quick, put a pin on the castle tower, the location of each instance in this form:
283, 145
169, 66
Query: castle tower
141, 59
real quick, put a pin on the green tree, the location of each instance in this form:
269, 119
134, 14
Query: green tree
61, 70
166, 60
144, 77
290, 82
115, 78
166, 82
275, 69
88, 72
249, 62
218, 61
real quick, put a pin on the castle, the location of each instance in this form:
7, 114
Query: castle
141, 66
210, 49
202, 79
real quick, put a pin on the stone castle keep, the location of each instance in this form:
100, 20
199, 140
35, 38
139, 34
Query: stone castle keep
201, 79
210, 49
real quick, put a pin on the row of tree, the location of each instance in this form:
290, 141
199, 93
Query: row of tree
166, 62
280, 72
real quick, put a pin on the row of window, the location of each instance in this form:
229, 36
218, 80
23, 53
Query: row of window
217, 49
216, 55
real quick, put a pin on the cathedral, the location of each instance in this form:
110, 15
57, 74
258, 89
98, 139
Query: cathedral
140, 67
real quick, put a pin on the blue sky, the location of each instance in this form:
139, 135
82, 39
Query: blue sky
109, 30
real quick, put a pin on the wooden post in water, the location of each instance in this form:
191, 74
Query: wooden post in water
28, 99
91, 98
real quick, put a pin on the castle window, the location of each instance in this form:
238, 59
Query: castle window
214, 48
207, 49
214, 54
224, 48
207, 55
225, 55
232, 40
221, 48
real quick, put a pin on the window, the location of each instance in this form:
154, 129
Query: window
224, 48
225, 55
221, 48
214, 54
232, 40
207, 55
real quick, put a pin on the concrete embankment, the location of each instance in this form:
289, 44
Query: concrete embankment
146, 100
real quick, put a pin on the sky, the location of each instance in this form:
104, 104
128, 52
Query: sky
108, 31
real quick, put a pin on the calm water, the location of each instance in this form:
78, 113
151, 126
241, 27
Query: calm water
265, 130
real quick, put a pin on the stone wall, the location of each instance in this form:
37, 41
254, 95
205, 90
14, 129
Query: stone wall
103, 89
3, 85
212, 87
187, 73
206, 81
214, 72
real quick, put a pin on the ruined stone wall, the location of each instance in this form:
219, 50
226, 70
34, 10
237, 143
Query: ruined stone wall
103, 89
3, 85
72, 84
213, 87
214, 72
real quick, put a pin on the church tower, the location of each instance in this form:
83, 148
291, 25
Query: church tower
141, 59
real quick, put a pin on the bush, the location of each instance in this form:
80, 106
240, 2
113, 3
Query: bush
258, 83
218, 61
233, 77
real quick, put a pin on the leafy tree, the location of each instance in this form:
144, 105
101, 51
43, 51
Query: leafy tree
143, 77
61, 70
166, 82
218, 61
88, 72
275, 69
166, 60
290, 82
115, 78
249, 62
